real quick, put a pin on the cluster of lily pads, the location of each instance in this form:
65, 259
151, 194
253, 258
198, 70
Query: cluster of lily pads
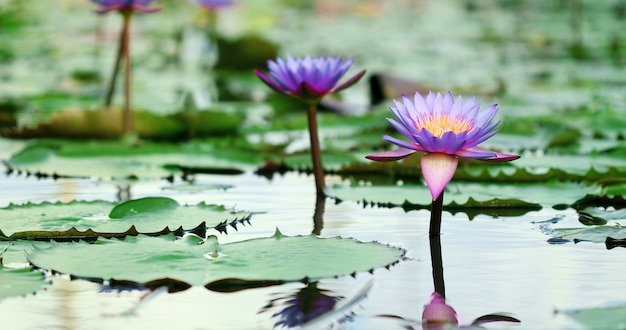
576, 163
154, 242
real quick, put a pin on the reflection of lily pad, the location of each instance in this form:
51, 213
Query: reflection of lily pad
142, 259
91, 219
17, 282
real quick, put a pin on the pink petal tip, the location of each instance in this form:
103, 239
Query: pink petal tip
438, 169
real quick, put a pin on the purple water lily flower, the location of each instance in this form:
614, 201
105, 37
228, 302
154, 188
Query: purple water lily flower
309, 78
444, 129
214, 4
142, 6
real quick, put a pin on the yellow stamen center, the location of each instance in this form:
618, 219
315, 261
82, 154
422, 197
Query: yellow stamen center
439, 124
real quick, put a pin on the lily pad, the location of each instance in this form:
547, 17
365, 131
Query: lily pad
19, 282
596, 234
468, 194
80, 219
602, 226
197, 262
121, 159
600, 318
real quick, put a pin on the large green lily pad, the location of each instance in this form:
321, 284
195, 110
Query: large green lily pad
197, 262
88, 220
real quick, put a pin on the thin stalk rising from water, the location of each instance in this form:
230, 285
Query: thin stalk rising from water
118, 60
128, 117
316, 156
435, 216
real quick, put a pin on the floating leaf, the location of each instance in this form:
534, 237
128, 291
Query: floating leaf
462, 194
279, 258
600, 318
119, 159
596, 234
18, 282
89, 220
143, 205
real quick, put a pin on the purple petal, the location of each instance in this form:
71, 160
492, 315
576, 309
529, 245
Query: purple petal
484, 117
403, 144
438, 169
388, 156
310, 78
426, 140
488, 133
447, 103
270, 82
350, 81
451, 142
401, 128
215, 4
486, 155
141, 6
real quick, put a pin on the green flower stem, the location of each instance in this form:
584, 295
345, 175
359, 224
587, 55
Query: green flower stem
128, 117
437, 264
435, 216
316, 156
118, 60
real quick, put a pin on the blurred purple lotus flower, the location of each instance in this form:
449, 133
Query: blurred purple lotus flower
444, 129
302, 307
142, 6
309, 78
437, 314
214, 4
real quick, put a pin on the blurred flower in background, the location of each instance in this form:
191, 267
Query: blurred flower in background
214, 4
142, 6
310, 79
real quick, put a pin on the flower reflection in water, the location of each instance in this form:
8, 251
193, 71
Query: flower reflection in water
302, 307
315, 308
437, 314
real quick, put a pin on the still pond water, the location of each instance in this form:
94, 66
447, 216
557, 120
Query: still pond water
491, 265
